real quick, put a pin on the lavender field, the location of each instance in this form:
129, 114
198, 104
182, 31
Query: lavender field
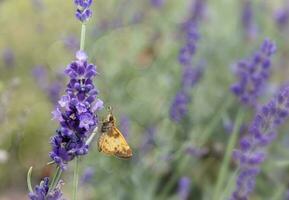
144, 100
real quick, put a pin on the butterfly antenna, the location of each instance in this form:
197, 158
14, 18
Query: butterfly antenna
109, 108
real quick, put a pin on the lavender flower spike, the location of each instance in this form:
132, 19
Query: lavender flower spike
76, 112
253, 147
248, 21
253, 74
184, 188
179, 106
41, 191
83, 12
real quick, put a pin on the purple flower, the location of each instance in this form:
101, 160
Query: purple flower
253, 147
76, 112
179, 107
248, 21
184, 188
157, 3
87, 175
191, 75
52, 89
83, 12
41, 76
8, 57
253, 74
198, 10
41, 191
282, 17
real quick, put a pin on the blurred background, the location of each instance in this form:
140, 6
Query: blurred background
135, 45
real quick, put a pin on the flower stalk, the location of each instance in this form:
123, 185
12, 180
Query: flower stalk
223, 173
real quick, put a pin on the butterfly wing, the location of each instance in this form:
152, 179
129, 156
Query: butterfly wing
113, 143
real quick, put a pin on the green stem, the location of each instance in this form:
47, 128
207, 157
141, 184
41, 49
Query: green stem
55, 178
75, 178
29, 180
214, 122
184, 160
228, 153
82, 36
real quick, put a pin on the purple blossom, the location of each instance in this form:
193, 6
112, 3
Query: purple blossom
83, 12
8, 57
41, 191
179, 107
253, 147
157, 3
40, 74
184, 188
76, 112
281, 17
248, 21
87, 175
190, 75
52, 89
198, 10
253, 74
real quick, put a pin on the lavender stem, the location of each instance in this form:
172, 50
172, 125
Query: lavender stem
75, 178
228, 154
82, 36
55, 179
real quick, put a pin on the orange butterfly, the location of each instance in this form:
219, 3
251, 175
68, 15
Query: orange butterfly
111, 140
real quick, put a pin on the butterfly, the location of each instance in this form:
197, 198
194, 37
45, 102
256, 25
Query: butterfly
111, 140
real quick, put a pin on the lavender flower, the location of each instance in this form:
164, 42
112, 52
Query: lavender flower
253, 147
184, 188
87, 175
191, 75
41, 191
179, 106
253, 74
282, 17
198, 10
157, 3
247, 18
8, 57
41, 76
83, 12
76, 112
54, 90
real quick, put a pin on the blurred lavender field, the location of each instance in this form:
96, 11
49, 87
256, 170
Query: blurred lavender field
199, 90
